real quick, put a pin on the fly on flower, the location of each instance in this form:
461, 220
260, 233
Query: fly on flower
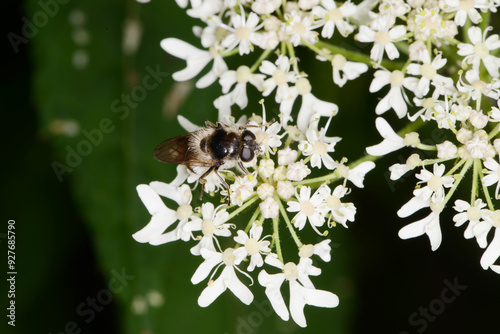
217, 146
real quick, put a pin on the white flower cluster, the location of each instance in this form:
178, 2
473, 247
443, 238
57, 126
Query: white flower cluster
432, 78
458, 104
278, 179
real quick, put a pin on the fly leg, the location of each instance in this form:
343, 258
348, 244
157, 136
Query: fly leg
203, 180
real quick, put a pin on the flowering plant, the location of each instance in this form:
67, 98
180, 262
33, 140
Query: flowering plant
439, 59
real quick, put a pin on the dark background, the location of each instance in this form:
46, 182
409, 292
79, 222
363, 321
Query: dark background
73, 236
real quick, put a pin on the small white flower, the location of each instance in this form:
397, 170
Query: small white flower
335, 17
351, 70
428, 72
383, 36
265, 190
357, 174
446, 150
270, 138
429, 23
316, 147
203, 9
398, 170
478, 146
265, 6
266, 168
243, 32
253, 246
428, 225
162, 216
479, 50
269, 208
243, 188
300, 28
340, 212
286, 156
396, 97
212, 224
475, 87
240, 77
285, 189
321, 249
307, 208
281, 76
476, 216
311, 107
478, 119
464, 9
300, 295
296, 171
435, 183
226, 280
431, 195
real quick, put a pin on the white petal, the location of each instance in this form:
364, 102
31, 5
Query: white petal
429, 225
475, 35
412, 206
311, 106
239, 289
150, 199
272, 259
206, 266
156, 226
211, 292
273, 283
392, 141
357, 174
178, 48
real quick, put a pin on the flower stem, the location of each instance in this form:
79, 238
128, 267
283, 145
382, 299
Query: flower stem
353, 55
276, 239
475, 175
458, 180
263, 56
243, 207
288, 223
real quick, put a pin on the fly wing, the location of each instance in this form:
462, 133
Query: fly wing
177, 151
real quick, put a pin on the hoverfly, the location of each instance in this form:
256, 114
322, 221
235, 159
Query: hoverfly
217, 146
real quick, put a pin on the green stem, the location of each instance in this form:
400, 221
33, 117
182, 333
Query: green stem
355, 56
494, 132
457, 166
252, 220
243, 207
263, 56
288, 223
475, 174
291, 52
486, 192
458, 180
334, 176
276, 239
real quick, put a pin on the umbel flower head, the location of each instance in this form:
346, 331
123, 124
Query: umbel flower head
277, 186
421, 71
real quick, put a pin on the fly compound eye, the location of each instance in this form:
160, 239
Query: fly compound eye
247, 136
246, 154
